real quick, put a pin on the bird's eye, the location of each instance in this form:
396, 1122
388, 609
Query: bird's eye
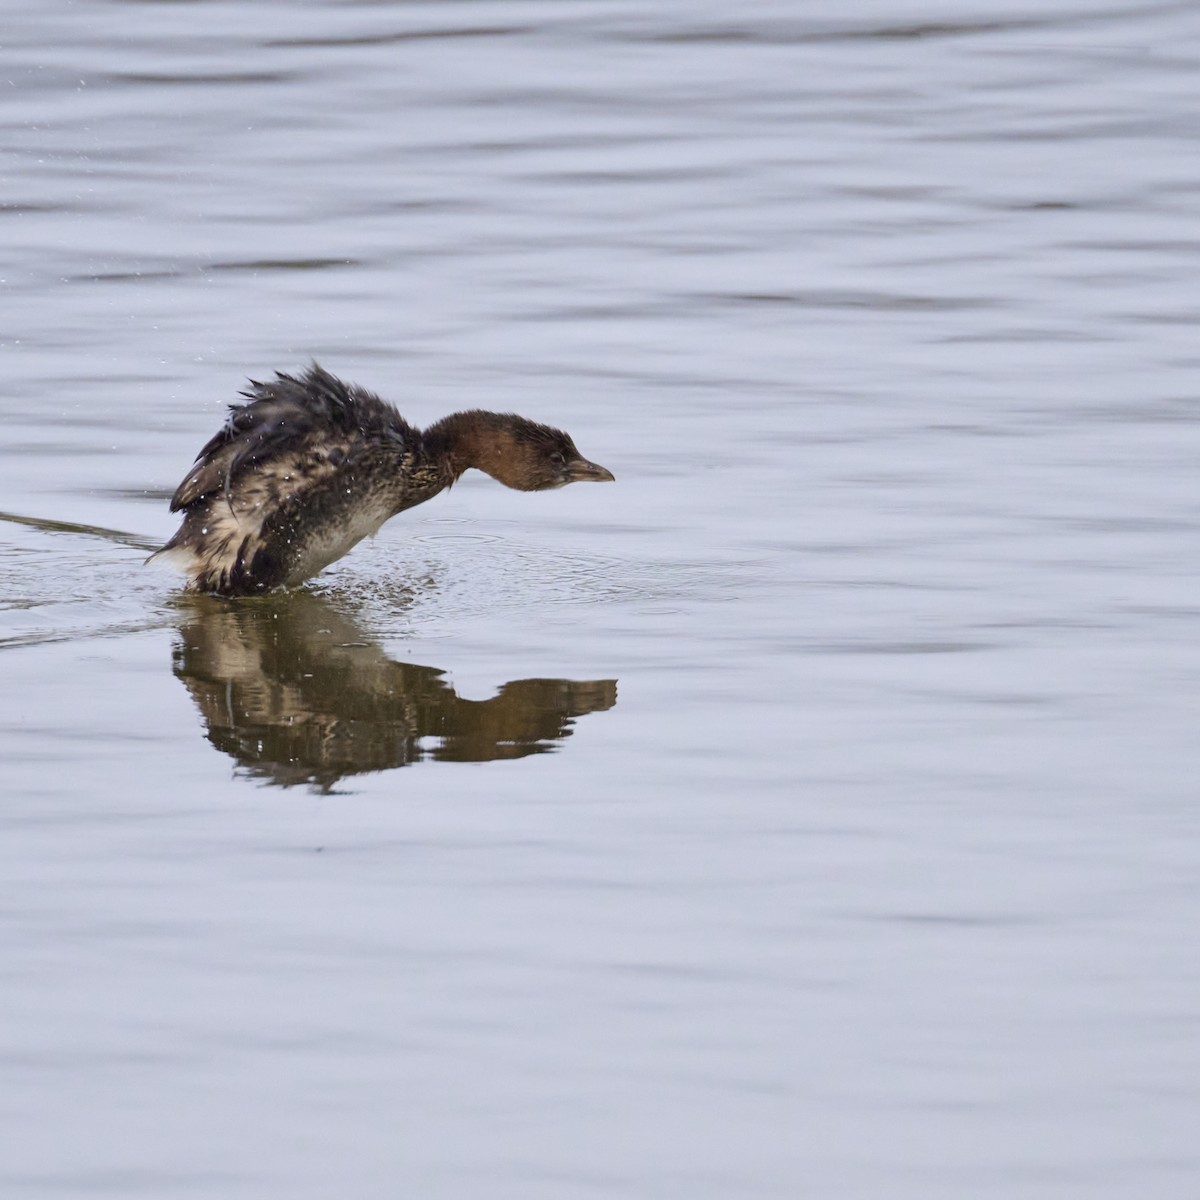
557, 458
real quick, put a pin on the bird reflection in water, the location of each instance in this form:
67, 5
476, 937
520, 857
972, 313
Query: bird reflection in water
293, 689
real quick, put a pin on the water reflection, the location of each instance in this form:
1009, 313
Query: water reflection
294, 690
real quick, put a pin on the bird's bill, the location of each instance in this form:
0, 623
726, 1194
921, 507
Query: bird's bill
581, 470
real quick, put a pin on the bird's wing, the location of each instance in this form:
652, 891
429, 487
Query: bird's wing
252, 433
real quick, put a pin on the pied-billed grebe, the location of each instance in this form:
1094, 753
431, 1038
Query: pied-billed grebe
310, 466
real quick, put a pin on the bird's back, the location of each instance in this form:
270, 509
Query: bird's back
314, 416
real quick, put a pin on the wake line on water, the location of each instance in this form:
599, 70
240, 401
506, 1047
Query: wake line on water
118, 536
66, 592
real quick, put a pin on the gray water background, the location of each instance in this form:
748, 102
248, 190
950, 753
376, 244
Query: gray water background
868, 864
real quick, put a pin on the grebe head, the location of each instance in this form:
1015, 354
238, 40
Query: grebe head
533, 458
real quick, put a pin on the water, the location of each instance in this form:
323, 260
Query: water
811, 812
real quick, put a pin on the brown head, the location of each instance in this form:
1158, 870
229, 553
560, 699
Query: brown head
519, 453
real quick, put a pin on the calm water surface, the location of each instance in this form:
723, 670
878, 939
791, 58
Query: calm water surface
813, 812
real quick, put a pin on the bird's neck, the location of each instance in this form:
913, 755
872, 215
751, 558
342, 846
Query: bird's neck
464, 440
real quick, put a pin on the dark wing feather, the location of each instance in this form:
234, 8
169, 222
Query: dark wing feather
280, 416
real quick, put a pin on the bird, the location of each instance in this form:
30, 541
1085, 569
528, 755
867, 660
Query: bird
308, 466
